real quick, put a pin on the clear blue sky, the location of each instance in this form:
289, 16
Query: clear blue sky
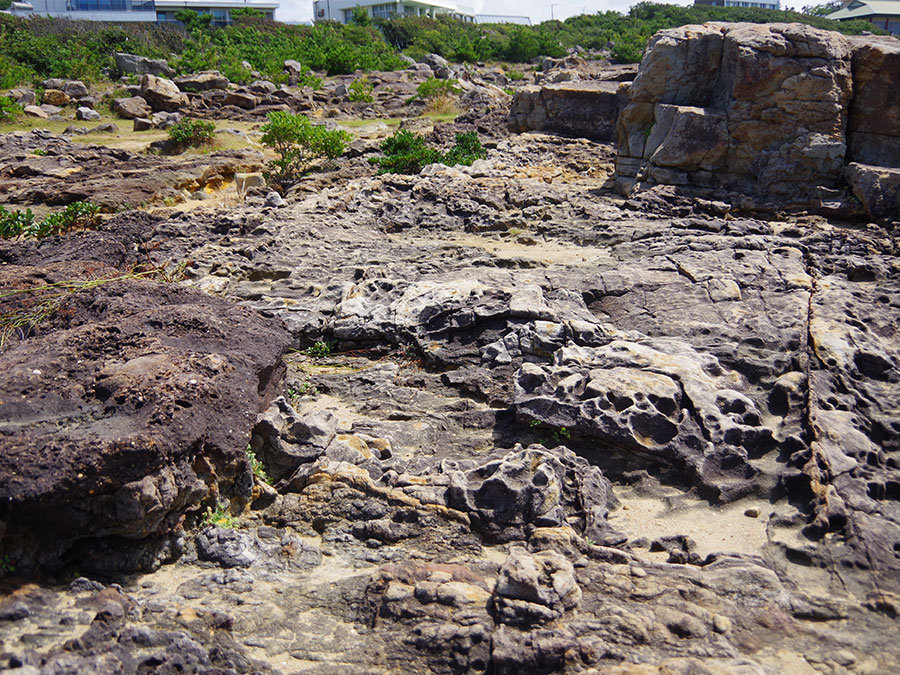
301, 10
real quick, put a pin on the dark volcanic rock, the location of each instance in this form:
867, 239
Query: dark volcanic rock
125, 403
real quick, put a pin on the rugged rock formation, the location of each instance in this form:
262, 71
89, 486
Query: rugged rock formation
771, 111
141, 65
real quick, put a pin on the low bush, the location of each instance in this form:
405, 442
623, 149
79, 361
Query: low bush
9, 109
433, 87
190, 133
408, 153
299, 144
361, 90
23, 223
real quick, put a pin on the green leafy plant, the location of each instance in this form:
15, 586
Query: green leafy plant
515, 75
304, 388
40, 152
190, 133
9, 109
23, 223
361, 90
408, 153
433, 87
258, 468
321, 348
299, 144
220, 517
405, 152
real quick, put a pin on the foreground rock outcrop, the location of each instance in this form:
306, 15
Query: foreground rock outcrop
126, 403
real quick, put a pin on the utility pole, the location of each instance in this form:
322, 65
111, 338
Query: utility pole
555, 4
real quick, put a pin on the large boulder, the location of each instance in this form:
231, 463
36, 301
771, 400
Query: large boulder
141, 65
56, 97
760, 109
162, 94
877, 188
131, 108
124, 408
439, 66
587, 109
874, 125
204, 81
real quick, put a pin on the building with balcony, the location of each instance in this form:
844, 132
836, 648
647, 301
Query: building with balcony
139, 10
758, 4
342, 10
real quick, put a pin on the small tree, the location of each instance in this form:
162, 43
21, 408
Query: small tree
299, 144
360, 16
361, 90
192, 133
193, 20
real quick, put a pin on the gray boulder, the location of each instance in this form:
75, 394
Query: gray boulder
141, 65
131, 108
203, 81
439, 65
84, 113
242, 100
162, 94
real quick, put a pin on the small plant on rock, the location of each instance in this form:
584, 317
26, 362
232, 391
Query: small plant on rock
220, 517
361, 90
23, 223
408, 153
189, 133
259, 470
321, 348
299, 144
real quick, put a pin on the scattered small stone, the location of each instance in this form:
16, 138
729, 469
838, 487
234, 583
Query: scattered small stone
638, 572
752, 512
721, 624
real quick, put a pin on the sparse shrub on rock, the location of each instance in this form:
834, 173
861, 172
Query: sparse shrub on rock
361, 90
299, 143
189, 133
408, 153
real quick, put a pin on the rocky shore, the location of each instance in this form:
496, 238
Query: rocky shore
540, 414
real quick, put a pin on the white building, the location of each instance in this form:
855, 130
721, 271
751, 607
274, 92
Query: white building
758, 4
342, 10
141, 10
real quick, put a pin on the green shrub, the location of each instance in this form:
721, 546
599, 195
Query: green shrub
433, 88
189, 133
361, 90
299, 144
76, 214
9, 109
405, 152
466, 150
408, 153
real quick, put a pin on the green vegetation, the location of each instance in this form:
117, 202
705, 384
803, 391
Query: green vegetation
220, 517
622, 36
256, 466
37, 48
361, 90
321, 348
408, 153
9, 109
433, 87
189, 133
23, 223
299, 143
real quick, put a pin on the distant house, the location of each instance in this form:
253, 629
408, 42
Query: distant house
503, 18
342, 10
882, 13
139, 10
758, 4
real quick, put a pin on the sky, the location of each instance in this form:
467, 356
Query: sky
301, 10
